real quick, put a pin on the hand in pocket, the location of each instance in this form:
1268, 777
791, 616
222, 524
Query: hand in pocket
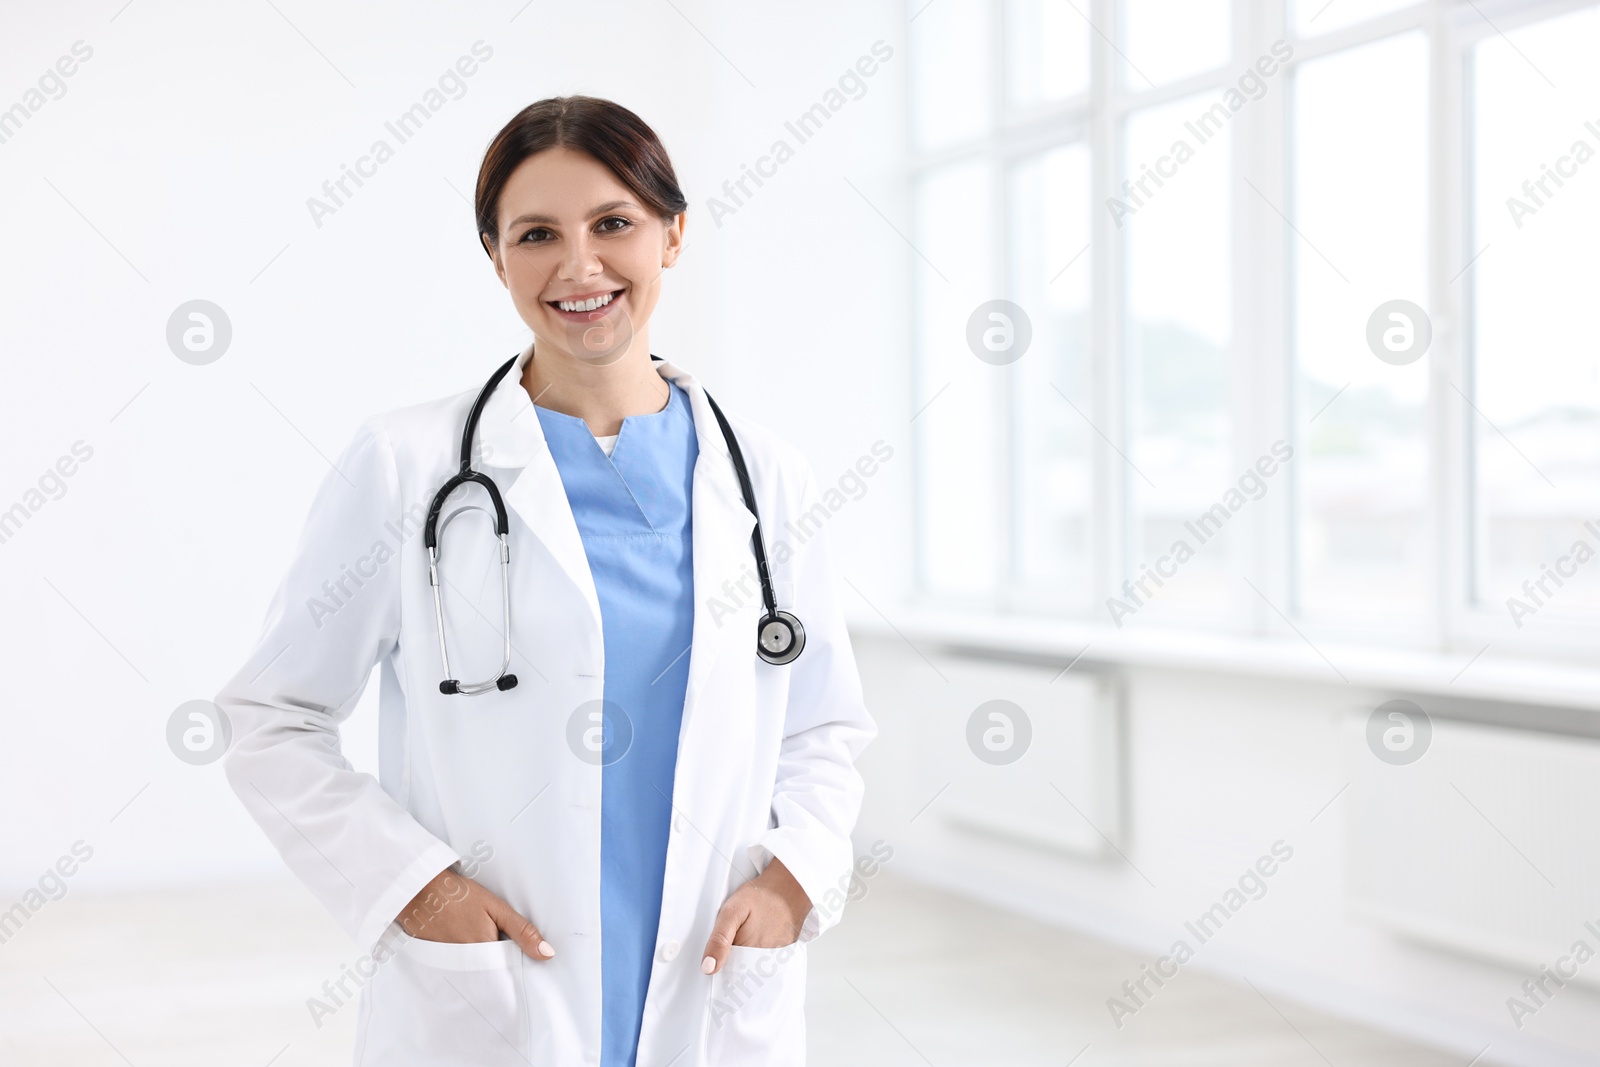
455, 909
765, 912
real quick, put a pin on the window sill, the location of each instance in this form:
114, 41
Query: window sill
1499, 680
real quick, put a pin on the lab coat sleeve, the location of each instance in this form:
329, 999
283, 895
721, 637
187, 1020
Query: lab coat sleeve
335, 614
817, 796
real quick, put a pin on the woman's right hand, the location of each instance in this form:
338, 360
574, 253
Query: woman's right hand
455, 909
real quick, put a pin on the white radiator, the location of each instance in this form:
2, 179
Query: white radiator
1488, 845
1064, 792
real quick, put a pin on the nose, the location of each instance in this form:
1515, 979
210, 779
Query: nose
581, 260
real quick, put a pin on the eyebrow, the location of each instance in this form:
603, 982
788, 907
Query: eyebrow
602, 209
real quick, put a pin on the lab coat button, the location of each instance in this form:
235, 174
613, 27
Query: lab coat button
679, 823
669, 951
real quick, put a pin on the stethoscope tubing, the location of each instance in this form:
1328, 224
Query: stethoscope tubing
779, 635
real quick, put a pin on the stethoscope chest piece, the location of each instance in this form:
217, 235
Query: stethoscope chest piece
780, 638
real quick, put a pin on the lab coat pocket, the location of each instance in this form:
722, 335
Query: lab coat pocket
439, 1003
757, 1013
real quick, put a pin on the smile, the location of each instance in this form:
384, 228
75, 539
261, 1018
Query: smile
587, 309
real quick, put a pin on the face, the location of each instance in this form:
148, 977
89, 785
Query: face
581, 257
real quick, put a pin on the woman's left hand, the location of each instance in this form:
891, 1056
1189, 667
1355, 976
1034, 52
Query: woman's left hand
765, 912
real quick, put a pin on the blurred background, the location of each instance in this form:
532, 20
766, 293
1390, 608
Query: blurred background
1230, 582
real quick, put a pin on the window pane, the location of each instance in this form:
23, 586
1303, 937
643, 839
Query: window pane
1050, 271
1319, 16
1360, 202
1169, 39
951, 71
1537, 370
1047, 52
1176, 342
958, 459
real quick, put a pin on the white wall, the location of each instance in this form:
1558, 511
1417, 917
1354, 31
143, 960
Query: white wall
1216, 770
813, 286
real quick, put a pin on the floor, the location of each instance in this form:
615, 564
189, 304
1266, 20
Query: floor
912, 976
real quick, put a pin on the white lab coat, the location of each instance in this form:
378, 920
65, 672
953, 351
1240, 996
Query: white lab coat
765, 755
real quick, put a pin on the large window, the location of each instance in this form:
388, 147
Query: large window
1048, 230
1359, 190
1261, 316
1176, 334
1535, 379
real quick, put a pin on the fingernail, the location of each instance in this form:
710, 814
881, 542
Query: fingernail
545, 950
708, 965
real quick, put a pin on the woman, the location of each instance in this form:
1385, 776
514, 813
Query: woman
619, 856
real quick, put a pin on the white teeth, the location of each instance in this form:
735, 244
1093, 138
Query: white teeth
584, 305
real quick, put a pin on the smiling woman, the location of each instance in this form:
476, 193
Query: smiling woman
567, 151
700, 770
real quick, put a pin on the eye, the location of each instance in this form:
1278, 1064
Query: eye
604, 228
530, 233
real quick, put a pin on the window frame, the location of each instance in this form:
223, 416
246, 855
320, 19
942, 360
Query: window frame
1263, 385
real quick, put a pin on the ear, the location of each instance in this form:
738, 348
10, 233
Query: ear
499, 268
672, 239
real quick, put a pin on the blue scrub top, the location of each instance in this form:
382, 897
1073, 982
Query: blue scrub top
633, 511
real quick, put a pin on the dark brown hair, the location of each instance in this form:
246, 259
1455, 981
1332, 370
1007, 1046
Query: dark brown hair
609, 132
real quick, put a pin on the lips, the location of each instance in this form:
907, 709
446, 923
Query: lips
588, 316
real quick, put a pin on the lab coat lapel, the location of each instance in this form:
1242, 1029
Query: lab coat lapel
721, 541
510, 435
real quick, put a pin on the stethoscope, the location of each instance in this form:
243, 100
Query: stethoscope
779, 635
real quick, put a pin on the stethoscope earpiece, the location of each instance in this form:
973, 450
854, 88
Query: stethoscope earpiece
450, 687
